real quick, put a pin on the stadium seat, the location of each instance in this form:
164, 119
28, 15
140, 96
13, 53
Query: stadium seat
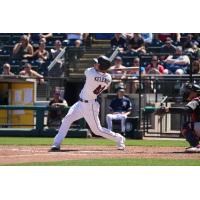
154, 49
4, 37
145, 60
105, 36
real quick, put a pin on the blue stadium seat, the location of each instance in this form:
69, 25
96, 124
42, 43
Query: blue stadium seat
15, 62
145, 60
107, 36
50, 43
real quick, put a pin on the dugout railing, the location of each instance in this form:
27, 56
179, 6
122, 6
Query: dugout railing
39, 126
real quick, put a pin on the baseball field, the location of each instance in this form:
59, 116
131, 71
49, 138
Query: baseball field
19, 151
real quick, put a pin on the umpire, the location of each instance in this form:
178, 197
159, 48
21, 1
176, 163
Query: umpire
120, 108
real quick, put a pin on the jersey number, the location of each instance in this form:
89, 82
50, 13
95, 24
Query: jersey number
98, 90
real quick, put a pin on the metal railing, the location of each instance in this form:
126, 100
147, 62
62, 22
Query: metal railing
39, 115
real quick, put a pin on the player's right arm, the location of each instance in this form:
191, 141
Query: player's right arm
88, 71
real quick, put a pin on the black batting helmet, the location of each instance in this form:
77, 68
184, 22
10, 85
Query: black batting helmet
104, 62
187, 88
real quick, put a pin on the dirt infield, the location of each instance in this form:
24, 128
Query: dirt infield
23, 154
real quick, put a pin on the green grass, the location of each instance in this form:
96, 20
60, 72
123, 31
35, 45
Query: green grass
116, 162
103, 162
93, 141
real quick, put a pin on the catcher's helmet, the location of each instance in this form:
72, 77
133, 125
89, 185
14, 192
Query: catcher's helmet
104, 62
187, 88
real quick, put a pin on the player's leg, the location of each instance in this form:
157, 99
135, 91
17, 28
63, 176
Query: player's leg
73, 114
91, 115
189, 133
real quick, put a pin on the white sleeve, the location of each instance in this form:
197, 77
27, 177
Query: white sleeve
87, 72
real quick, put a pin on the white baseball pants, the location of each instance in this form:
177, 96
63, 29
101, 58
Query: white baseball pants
119, 116
89, 111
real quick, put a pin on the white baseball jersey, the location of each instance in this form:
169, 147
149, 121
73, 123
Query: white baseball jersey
96, 82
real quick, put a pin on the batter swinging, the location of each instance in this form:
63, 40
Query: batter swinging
97, 80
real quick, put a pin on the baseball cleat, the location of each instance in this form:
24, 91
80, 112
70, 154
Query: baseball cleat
120, 144
193, 149
54, 149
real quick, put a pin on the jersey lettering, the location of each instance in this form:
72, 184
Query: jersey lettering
99, 89
102, 79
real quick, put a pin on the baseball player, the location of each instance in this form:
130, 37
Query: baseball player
120, 107
191, 129
97, 80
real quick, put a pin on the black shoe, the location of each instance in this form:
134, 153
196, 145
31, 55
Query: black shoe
54, 149
123, 133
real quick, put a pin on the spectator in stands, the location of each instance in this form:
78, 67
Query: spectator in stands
41, 54
57, 48
39, 37
56, 110
72, 37
168, 47
43, 40
189, 44
78, 43
120, 108
118, 41
196, 36
87, 39
6, 70
178, 62
23, 49
115, 72
163, 36
154, 67
147, 37
28, 72
46, 35
137, 43
133, 73
196, 51
196, 67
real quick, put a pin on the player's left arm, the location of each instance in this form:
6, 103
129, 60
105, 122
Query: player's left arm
189, 108
129, 108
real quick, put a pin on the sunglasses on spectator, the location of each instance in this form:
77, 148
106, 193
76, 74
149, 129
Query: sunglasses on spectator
154, 60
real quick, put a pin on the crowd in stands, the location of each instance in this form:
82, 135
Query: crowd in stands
162, 53
35, 49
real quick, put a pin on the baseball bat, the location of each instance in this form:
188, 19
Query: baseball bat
163, 101
114, 54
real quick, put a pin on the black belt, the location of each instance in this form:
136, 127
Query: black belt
85, 101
